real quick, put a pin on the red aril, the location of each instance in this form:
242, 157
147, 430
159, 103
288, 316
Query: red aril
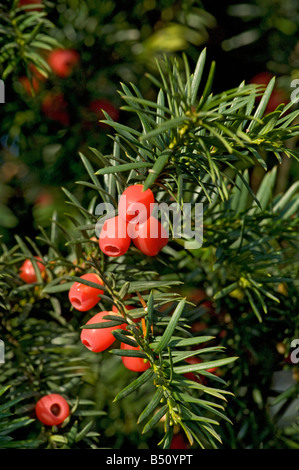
114, 239
134, 203
83, 297
63, 61
27, 272
99, 339
179, 441
97, 107
52, 409
136, 364
149, 237
55, 107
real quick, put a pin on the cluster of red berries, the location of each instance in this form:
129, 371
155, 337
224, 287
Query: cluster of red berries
53, 409
134, 203
63, 62
115, 239
54, 105
83, 298
133, 222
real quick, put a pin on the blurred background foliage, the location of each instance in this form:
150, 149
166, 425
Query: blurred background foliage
39, 153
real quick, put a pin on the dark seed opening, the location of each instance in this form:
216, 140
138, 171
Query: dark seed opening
114, 250
86, 343
55, 409
76, 302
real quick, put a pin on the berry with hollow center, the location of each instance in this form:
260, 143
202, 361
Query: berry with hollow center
136, 364
52, 409
27, 272
134, 203
149, 237
114, 239
99, 339
83, 297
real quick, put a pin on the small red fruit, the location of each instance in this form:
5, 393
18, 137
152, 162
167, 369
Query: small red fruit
179, 441
134, 203
27, 272
83, 297
198, 326
191, 375
136, 364
99, 339
114, 239
55, 107
23, 3
63, 61
278, 95
36, 73
149, 237
99, 105
194, 375
44, 199
30, 87
52, 409
262, 78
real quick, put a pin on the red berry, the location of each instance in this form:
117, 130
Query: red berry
278, 95
198, 326
31, 2
114, 239
52, 409
99, 105
99, 339
179, 441
193, 376
262, 78
136, 364
55, 107
149, 237
29, 86
27, 272
44, 199
135, 203
63, 61
36, 73
83, 297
